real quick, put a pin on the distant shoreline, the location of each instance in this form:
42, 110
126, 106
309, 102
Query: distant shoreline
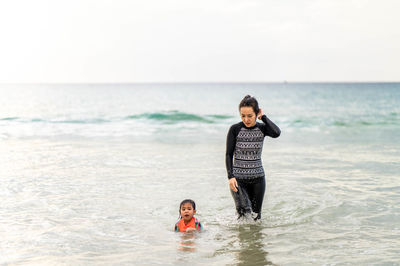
201, 83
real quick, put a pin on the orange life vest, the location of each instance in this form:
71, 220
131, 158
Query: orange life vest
180, 226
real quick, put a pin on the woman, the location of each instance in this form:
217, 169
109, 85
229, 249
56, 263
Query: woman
244, 143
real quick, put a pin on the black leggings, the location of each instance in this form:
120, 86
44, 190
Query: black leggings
249, 197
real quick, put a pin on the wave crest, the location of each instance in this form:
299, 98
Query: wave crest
177, 116
168, 117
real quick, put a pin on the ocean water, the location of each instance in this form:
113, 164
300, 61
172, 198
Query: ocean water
93, 174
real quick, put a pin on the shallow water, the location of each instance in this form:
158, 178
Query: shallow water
93, 174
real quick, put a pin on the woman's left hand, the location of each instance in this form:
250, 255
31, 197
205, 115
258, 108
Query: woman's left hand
260, 114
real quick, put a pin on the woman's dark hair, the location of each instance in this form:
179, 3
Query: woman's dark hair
249, 101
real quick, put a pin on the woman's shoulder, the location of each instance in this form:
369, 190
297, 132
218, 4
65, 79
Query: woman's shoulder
237, 125
235, 128
260, 125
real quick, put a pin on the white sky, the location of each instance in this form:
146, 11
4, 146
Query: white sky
199, 41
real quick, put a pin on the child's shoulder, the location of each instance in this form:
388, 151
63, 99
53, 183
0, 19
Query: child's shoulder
199, 226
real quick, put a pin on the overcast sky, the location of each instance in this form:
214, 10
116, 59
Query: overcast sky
199, 41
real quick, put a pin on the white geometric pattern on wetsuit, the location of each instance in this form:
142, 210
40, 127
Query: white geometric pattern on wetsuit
247, 158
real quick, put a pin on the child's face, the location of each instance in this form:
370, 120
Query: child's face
187, 212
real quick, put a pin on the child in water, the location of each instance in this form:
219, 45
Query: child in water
187, 222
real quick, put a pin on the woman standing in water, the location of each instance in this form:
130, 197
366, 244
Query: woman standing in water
244, 143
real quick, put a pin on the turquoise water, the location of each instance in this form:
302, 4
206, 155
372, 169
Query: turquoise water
94, 173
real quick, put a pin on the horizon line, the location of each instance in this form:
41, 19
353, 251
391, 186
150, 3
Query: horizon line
194, 82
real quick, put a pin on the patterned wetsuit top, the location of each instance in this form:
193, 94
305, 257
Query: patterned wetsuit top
244, 145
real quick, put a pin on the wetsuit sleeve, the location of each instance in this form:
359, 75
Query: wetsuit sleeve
176, 228
269, 128
230, 149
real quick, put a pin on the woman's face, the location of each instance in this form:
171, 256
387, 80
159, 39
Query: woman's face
248, 116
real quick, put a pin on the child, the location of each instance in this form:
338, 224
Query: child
187, 221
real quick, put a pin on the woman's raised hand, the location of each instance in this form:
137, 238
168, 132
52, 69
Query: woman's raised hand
260, 114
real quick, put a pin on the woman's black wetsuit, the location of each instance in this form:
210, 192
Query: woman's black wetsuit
245, 144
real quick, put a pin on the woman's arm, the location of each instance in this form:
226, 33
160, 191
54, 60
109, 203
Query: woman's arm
230, 149
269, 128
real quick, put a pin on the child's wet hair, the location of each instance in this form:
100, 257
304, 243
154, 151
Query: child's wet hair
187, 201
